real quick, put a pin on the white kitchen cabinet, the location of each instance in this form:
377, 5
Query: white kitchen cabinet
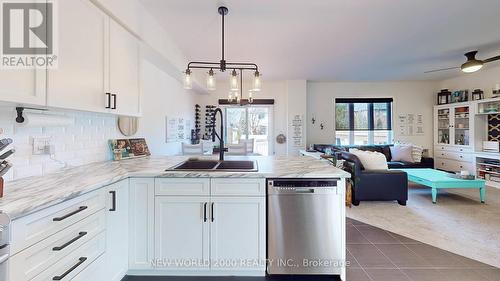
124, 71
81, 79
182, 232
117, 208
238, 233
24, 86
141, 223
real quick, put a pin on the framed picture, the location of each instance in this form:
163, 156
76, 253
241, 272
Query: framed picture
128, 148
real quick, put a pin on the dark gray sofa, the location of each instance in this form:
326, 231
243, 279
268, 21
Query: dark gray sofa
426, 162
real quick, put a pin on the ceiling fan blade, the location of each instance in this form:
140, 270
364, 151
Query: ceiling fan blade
491, 59
442, 69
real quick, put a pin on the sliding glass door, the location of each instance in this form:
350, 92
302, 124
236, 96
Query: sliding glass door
249, 123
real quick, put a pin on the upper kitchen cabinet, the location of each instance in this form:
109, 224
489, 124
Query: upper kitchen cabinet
24, 86
98, 63
124, 71
80, 81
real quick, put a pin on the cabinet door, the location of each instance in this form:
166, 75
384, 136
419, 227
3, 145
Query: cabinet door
238, 233
141, 222
182, 232
124, 71
117, 208
461, 125
80, 80
443, 125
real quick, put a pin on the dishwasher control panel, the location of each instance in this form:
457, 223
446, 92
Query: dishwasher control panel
318, 186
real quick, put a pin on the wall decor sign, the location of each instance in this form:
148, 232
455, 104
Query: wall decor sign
177, 129
410, 124
128, 148
298, 130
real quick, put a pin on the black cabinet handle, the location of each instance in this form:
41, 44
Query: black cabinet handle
113, 196
80, 235
81, 208
212, 211
114, 101
80, 261
109, 100
205, 212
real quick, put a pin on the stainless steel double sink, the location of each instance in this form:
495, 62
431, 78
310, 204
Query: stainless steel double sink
216, 166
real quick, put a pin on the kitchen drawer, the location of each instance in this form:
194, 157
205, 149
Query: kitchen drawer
459, 156
238, 187
32, 261
182, 186
94, 272
76, 261
33, 228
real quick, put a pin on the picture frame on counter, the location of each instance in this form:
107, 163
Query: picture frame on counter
128, 148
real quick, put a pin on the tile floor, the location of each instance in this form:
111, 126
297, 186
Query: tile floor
374, 254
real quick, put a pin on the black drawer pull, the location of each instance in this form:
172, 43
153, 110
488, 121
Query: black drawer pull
113, 206
80, 261
212, 211
70, 214
109, 100
80, 235
205, 212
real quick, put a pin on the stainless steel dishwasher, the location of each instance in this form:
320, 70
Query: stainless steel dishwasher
304, 227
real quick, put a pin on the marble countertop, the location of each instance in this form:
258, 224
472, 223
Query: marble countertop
31, 194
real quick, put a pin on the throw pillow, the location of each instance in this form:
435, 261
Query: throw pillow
417, 151
402, 153
371, 160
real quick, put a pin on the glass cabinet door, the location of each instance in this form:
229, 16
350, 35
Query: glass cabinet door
443, 125
461, 122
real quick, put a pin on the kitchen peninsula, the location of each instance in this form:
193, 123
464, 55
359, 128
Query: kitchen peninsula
174, 222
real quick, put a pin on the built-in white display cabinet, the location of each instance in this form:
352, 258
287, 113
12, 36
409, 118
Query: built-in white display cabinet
454, 137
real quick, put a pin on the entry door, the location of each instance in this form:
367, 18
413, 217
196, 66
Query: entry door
250, 123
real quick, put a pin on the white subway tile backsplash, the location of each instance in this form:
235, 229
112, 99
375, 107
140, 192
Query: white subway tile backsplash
84, 142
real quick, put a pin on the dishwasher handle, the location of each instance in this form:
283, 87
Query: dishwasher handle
304, 190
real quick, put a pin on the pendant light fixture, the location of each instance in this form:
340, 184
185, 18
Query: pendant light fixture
235, 86
211, 82
188, 82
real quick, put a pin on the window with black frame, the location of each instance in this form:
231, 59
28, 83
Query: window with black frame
363, 121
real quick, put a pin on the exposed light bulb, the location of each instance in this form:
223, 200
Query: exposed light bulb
211, 82
250, 96
237, 98
233, 83
257, 82
230, 97
188, 81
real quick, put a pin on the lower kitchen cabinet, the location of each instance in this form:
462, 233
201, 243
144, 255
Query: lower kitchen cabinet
210, 233
237, 233
141, 223
117, 212
182, 232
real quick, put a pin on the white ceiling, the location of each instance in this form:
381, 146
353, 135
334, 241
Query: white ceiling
336, 40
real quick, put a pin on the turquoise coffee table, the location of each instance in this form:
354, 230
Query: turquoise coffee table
436, 179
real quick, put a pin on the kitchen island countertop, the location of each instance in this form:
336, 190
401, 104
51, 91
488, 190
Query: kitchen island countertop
29, 195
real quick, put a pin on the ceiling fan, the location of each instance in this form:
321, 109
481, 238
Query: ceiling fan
471, 65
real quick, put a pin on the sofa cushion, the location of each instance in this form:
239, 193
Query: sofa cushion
402, 153
371, 160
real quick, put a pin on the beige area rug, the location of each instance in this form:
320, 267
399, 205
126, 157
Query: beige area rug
458, 223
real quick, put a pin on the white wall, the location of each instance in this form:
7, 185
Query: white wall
162, 95
409, 97
486, 79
